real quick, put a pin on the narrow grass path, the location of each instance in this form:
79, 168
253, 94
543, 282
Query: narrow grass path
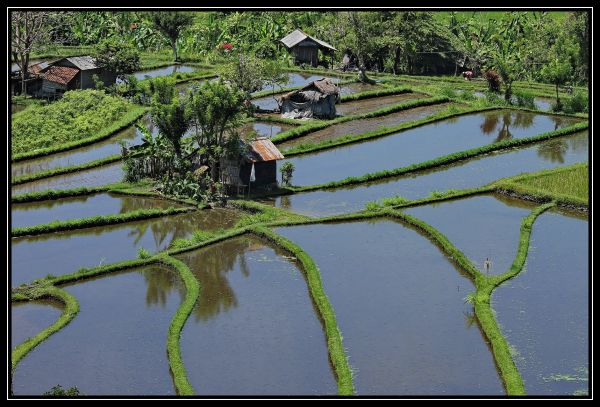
182, 384
48, 291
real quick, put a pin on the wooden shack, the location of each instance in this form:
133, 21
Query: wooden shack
317, 99
306, 48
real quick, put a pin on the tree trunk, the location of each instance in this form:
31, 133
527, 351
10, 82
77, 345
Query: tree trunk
508, 92
174, 46
396, 60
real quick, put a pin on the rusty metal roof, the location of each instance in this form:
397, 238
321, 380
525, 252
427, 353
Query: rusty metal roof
297, 36
60, 74
263, 149
39, 67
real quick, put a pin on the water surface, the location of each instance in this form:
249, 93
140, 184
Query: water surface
116, 345
254, 329
422, 143
66, 252
167, 70
400, 308
543, 312
368, 105
35, 213
32, 317
471, 173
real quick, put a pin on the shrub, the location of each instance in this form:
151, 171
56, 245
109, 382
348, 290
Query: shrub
448, 91
143, 253
524, 99
578, 103
493, 80
287, 171
59, 391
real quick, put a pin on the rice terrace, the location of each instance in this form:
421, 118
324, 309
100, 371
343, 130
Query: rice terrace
299, 203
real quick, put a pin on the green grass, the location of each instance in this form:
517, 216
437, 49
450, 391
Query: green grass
69, 312
337, 354
182, 384
567, 185
71, 133
93, 221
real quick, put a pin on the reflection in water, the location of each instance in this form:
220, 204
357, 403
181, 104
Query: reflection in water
210, 266
506, 119
160, 281
554, 150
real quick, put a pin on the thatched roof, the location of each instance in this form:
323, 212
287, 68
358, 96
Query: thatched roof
314, 91
297, 36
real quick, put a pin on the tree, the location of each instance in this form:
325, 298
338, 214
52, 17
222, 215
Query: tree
172, 123
215, 110
29, 31
247, 73
117, 57
171, 24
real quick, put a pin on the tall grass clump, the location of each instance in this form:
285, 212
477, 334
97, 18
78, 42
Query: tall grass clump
523, 98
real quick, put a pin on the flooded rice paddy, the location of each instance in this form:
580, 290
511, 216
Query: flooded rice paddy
103, 175
263, 128
66, 252
371, 104
543, 312
400, 307
365, 125
254, 329
421, 143
167, 70
35, 213
471, 173
30, 318
481, 227
117, 342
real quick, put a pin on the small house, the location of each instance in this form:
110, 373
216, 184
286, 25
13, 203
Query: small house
87, 69
317, 99
261, 154
306, 48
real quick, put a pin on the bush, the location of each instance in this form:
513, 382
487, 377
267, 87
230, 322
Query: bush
143, 253
524, 99
578, 103
287, 171
448, 91
493, 79
78, 115
59, 391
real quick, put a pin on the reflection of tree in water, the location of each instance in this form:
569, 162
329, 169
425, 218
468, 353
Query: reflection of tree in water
553, 151
286, 202
160, 281
515, 119
168, 228
129, 203
210, 266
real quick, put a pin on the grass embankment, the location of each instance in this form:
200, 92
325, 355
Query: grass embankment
44, 291
182, 384
484, 287
443, 160
568, 186
78, 119
100, 220
335, 347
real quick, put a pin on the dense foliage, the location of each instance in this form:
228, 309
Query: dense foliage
78, 115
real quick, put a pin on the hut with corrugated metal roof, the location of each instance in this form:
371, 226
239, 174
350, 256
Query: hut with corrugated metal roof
259, 153
305, 48
317, 99
87, 69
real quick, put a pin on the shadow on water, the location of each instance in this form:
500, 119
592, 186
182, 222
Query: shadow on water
255, 323
400, 309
